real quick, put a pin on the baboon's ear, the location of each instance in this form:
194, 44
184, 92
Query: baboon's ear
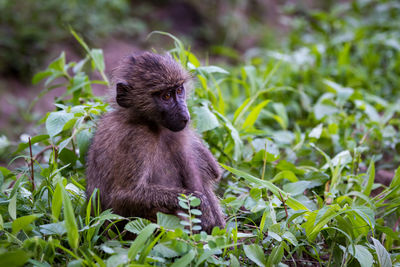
122, 95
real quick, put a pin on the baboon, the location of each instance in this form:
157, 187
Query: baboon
144, 154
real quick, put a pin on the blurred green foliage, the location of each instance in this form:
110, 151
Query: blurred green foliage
29, 29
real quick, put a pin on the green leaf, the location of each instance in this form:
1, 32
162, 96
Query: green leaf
1, 179
185, 260
168, 221
185, 223
195, 202
275, 236
137, 225
343, 158
40, 76
56, 120
255, 253
70, 221
242, 108
285, 175
255, 193
63, 144
140, 240
22, 223
369, 110
371, 178
291, 202
78, 82
79, 65
53, 228
120, 259
98, 59
383, 255
253, 115
233, 261
183, 205
322, 110
366, 214
34, 140
281, 117
108, 216
193, 59
316, 221
316, 132
212, 69
276, 255
13, 258
396, 179
58, 64
56, 202
205, 120
247, 104
83, 141
166, 250
291, 238
179, 47
362, 254
195, 212
206, 255
12, 207
299, 187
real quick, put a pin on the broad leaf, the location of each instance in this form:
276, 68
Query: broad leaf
56, 121
255, 253
291, 202
383, 255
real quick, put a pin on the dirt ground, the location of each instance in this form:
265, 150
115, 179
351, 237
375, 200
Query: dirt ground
16, 96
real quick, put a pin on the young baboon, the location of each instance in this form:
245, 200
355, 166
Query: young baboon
144, 154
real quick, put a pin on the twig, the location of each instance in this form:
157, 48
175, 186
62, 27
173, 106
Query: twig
284, 205
251, 226
32, 173
265, 161
40, 153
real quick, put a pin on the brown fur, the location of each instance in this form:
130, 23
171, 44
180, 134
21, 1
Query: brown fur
139, 166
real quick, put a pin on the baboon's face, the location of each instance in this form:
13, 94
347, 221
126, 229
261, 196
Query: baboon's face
172, 110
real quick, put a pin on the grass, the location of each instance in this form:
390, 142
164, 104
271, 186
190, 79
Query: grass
303, 134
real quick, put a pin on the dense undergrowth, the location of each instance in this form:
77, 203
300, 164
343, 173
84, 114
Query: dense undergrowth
302, 133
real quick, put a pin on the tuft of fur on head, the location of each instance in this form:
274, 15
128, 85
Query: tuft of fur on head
145, 74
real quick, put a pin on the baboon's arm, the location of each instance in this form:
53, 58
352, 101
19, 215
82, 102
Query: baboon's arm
148, 196
207, 162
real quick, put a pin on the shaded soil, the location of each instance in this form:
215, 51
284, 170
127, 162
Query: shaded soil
15, 96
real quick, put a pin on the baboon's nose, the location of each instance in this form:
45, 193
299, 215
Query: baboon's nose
185, 118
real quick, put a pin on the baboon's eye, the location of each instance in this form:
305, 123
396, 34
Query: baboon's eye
166, 96
179, 91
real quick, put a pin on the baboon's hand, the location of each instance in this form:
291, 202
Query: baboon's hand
207, 217
204, 205
219, 219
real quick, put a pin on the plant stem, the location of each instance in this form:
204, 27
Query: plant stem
333, 246
265, 160
190, 217
31, 163
284, 205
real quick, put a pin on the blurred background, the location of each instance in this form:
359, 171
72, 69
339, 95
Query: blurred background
35, 32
